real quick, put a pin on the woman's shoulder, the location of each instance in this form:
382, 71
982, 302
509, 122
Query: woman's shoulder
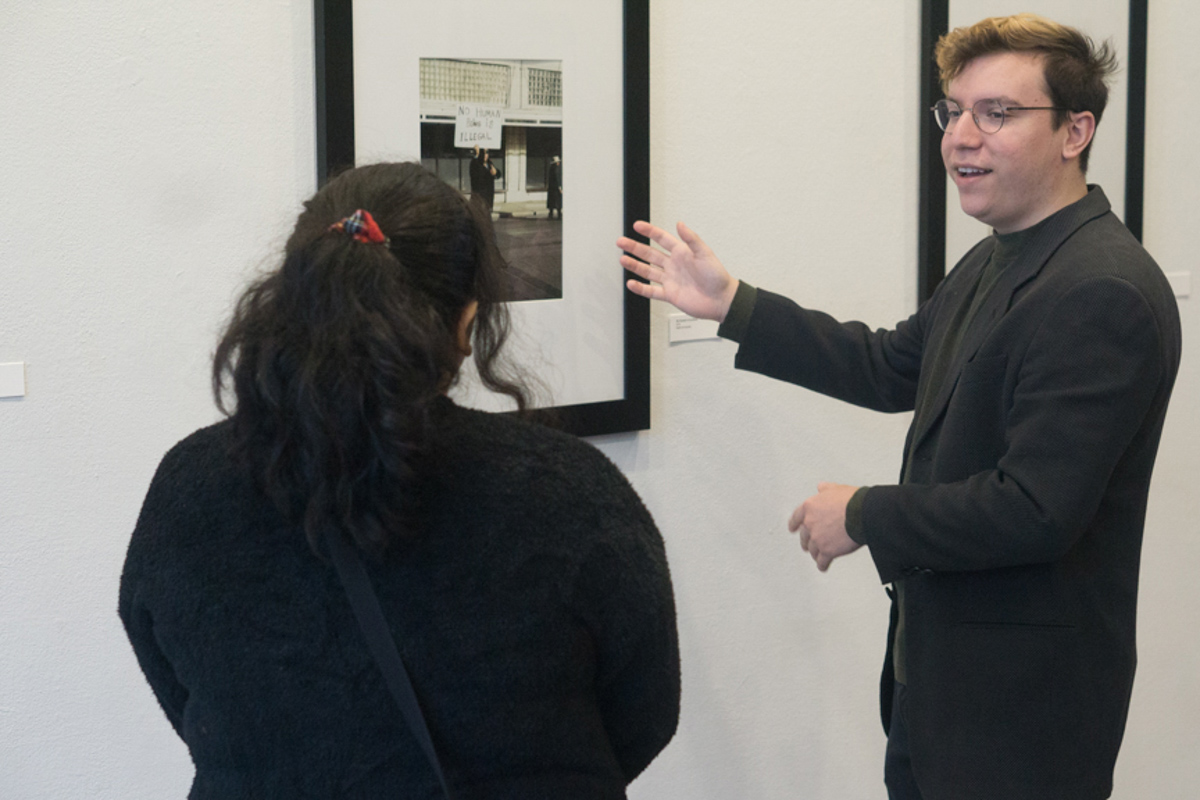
188, 499
530, 464
511, 440
205, 450
197, 477
511, 466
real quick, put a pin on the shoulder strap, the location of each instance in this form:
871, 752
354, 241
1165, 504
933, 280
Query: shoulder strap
374, 627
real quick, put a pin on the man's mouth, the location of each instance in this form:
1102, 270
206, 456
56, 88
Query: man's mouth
971, 172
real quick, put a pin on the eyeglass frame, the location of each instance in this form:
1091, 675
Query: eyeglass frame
975, 117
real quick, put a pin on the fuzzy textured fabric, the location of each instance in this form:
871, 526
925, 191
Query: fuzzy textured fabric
533, 611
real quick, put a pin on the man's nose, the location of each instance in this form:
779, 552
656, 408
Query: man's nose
965, 132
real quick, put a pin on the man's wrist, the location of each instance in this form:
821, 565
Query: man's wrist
727, 298
737, 316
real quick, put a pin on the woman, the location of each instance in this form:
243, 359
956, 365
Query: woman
523, 581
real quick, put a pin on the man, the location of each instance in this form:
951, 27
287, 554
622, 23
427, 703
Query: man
1039, 373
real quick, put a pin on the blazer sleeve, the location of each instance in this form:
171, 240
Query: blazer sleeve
1082, 391
623, 595
877, 369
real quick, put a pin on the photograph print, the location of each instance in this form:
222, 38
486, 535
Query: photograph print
492, 129
400, 80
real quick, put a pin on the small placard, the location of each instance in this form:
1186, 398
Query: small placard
684, 328
12, 379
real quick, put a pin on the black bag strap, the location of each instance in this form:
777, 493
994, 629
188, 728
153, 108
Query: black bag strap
370, 618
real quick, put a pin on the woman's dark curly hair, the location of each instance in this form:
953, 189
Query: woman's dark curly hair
336, 358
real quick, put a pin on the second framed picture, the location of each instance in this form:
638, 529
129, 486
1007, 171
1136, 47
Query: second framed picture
540, 110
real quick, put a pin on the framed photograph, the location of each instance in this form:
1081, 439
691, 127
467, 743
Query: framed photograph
1117, 160
540, 109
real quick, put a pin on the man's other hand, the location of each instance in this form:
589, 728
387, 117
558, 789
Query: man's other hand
821, 521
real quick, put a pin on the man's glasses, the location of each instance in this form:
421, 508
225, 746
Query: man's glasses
989, 114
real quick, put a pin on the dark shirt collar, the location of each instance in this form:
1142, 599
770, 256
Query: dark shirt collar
1010, 245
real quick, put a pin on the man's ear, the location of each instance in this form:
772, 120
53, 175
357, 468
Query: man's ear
1081, 127
466, 322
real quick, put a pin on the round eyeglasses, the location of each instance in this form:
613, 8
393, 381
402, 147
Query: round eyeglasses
989, 115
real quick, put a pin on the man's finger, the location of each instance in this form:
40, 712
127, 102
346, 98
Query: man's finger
650, 290
796, 519
656, 234
643, 251
691, 239
640, 268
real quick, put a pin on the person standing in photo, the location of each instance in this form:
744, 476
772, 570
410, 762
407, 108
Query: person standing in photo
475, 172
554, 187
1039, 374
488, 173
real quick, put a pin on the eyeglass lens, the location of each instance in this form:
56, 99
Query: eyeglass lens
988, 114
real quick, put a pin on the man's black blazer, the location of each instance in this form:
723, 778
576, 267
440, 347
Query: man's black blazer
1017, 528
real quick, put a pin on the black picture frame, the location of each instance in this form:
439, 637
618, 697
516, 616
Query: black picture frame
334, 50
931, 236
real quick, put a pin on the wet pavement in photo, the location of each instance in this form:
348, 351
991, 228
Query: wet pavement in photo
532, 245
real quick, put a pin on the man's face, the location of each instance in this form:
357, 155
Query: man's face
1017, 176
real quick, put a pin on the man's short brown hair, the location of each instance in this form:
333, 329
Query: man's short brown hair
1075, 69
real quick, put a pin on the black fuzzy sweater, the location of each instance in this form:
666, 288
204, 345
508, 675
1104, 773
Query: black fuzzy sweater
533, 612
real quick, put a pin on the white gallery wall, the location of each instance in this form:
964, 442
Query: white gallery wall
154, 156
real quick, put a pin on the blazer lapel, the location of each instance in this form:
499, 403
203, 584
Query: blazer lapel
1038, 252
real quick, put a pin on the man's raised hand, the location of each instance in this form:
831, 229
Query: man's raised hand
687, 275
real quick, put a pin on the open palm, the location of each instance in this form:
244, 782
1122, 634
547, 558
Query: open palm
685, 272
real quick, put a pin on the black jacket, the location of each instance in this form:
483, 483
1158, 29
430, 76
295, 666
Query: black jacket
1017, 529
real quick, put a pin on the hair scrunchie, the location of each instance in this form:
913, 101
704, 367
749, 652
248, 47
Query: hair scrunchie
361, 226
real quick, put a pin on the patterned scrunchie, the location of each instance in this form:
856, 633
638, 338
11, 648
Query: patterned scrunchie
362, 227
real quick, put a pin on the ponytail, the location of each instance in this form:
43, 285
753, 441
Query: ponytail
337, 357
